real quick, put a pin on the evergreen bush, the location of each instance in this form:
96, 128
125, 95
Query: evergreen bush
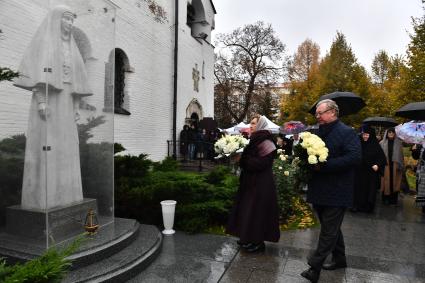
51, 267
202, 200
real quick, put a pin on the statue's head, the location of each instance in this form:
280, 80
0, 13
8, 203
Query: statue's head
62, 17
67, 22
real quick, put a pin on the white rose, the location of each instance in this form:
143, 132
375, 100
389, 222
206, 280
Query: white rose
282, 157
311, 151
312, 159
286, 173
279, 151
280, 168
322, 158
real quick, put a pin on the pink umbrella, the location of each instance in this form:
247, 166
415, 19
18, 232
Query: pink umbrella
411, 132
292, 127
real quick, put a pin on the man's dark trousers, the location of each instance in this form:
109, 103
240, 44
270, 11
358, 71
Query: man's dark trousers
330, 239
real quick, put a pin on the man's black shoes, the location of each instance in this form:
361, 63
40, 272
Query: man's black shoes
311, 274
334, 265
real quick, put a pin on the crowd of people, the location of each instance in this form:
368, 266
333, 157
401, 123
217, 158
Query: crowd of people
358, 166
197, 143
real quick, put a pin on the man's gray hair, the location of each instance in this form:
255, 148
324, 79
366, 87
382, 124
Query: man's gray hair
330, 104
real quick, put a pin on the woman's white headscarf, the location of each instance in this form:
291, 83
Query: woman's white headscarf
262, 124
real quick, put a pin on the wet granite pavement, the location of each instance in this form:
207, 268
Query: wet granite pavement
386, 246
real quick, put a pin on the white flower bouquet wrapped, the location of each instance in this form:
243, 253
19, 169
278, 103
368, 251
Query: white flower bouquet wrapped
310, 152
315, 147
229, 145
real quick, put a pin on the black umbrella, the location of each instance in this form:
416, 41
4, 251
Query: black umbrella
348, 102
208, 123
414, 111
380, 121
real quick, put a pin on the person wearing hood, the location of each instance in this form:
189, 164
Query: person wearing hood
393, 172
254, 217
369, 172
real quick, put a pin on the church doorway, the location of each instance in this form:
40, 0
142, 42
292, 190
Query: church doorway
193, 113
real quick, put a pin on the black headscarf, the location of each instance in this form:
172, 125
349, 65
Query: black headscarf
371, 150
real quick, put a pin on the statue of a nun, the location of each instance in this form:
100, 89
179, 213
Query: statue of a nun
53, 70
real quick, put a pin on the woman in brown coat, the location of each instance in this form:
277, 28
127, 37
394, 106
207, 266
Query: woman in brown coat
255, 217
393, 172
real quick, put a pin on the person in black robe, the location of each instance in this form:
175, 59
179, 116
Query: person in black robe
369, 173
255, 214
184, 141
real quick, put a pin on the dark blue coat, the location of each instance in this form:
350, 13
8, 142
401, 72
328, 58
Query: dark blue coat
333, 184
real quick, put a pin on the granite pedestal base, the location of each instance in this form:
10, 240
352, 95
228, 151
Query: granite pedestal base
57, 224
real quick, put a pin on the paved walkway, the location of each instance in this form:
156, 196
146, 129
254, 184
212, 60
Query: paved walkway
387, 246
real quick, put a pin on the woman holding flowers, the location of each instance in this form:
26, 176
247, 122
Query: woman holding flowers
255, 215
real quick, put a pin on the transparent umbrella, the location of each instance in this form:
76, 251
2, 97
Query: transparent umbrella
411, 132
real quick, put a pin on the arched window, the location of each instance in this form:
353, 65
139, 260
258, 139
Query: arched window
117, 70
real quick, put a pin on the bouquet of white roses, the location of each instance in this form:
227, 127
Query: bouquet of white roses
228, 145
315, 147
310, 151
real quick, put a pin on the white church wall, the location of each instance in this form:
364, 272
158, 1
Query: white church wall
149, 46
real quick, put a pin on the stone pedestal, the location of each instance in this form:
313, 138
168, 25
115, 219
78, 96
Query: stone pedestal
60, 223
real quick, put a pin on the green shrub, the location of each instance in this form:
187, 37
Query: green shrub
285, 172
168, 164
118, 147
217, 175
131, 166
200, 204
51, 267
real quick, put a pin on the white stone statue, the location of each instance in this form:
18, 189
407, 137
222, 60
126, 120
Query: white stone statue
53, 70
195, 77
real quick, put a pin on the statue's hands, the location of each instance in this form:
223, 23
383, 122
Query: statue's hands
43, 111
77, 116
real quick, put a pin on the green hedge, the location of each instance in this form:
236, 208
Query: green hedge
203, 200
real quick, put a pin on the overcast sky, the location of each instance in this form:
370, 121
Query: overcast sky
369, 25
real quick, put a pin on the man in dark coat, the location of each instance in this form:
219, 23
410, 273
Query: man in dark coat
330, 190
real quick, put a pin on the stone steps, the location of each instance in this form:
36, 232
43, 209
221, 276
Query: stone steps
123, 264
117, 252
